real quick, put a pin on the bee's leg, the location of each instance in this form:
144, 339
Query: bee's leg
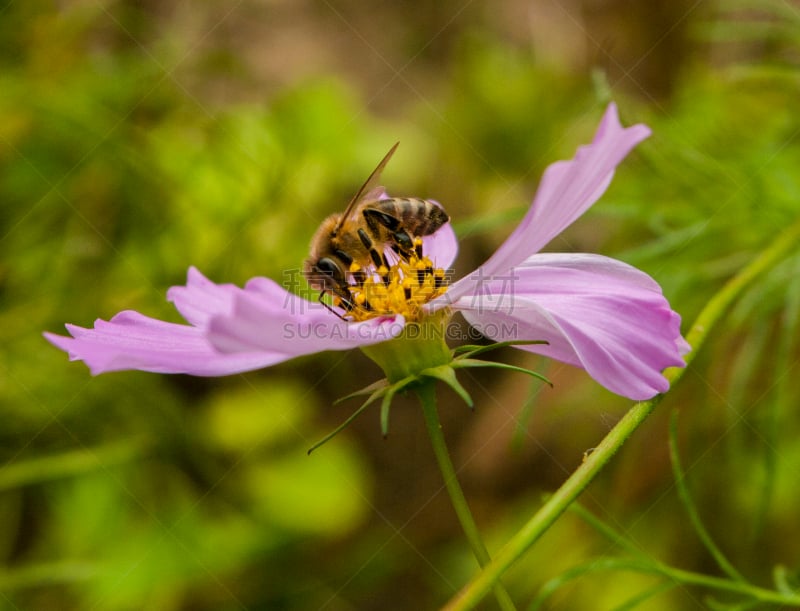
405, 243
376, 217
343, 257
359, 276
377, 258
346, 304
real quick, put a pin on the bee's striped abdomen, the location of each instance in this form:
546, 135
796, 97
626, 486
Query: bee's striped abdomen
420, 217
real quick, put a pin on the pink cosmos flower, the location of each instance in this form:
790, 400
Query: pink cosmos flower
594, 312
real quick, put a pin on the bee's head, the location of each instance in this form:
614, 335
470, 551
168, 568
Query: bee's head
325, 274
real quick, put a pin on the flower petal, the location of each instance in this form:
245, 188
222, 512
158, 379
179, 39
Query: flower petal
260, 325
595, 312
131, 340
200, 298
441, 247
566, 191
301, 327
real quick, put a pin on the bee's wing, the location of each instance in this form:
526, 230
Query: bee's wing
369, 189
374, 195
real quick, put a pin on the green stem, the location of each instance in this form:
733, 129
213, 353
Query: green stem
718, 583
688, 504
427, 396
675, 576
474, 591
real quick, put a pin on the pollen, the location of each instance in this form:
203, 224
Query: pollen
403, 288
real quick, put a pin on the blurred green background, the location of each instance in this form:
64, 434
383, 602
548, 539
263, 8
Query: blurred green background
139, 138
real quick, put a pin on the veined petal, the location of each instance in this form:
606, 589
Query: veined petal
566, 191
131, 340
285, 326
595, 312
303, 327
200, 298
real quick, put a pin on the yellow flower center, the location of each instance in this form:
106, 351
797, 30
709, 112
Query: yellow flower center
403, 288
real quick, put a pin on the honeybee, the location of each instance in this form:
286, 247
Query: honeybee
359, 235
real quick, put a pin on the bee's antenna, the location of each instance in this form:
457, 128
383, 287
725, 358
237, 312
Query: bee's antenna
366, 187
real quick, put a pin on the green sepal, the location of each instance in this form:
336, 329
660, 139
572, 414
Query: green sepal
375, 386
381, 387
391, 391
420, 345
466, 363
447, 374
385, 391
386, 403
404, 361
473, 349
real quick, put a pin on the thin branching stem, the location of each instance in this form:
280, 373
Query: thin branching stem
673, 576
689, 506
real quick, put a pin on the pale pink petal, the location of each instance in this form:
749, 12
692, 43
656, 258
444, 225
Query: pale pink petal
566, 191
441, 247
302, 327
595, 312
200, 298
133, 341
